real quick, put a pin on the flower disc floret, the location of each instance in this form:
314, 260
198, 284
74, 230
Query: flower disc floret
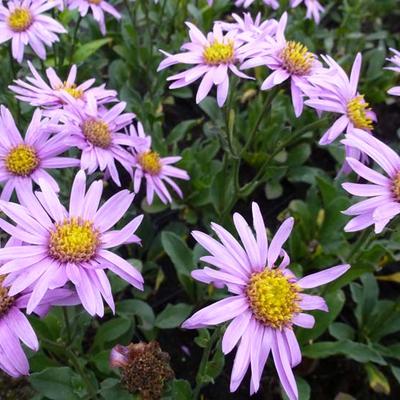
6, 301
95, 1
150, 162
74, 241
296, 58
396, 186
273, 298
97, 132
357, 109
72, 90
22, 160
20, 19
219, 53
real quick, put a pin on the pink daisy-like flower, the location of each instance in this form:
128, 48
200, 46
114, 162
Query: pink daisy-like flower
249, 29
340, 95
266, 299
98, 7
247, 3
96, 131
213, 56
63, 246
395, 59
53, 95
15, 327
382, 192
314, 9
157, 171
23, 22
287, 59
25, 160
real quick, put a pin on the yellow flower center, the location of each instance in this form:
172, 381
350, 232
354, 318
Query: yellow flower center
396, 186
150, 162
273, 299
6, 301
72, 90
74, 241
94, 1
22, 160
357, 109
20, 19
296, 58
219, 53
97, 133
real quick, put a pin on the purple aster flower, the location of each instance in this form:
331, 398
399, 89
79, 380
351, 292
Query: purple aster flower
213, 56
96, 131
249, 29
98, 7
25, 160
63, 246
395, 59
382, 192
23, 22
314, 9
266, 300
157, 171
15, 327
287, 59
335, 92
246, 3
53, 95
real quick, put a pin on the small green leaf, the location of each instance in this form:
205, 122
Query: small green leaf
173, 316
86, 50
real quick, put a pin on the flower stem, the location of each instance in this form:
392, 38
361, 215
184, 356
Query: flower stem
203, 363
74, 37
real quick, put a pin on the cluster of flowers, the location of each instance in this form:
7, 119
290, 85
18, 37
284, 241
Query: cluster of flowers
262, 322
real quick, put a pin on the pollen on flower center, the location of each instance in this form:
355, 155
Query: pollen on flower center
296, 58
6, 301
357, 109
219, 53
94, 1
74, 241
150, 162
22, 160
396, 186
273, 298
72, 90
97, 133
20, 19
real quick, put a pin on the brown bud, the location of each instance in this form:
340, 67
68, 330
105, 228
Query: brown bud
144, 367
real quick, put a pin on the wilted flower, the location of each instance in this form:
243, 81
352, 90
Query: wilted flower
61, 246
98, 7
266, 300
395, 59
314, 8
38, 93
383, 192
288, 60
23, 22
213, 56
156, 170
15, 327
339, 94
25, 160
97, 132
145, 368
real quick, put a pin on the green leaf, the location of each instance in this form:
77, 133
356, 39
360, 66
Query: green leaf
178, 389
173, 315
111, 390
132, 307
55, 383
86, 50
377, 380
341, 331
111, 331
182, 258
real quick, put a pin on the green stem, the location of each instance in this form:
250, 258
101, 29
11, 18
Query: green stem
203, 363
126, 2
67, 325
74, 37
360, 245
267, 104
